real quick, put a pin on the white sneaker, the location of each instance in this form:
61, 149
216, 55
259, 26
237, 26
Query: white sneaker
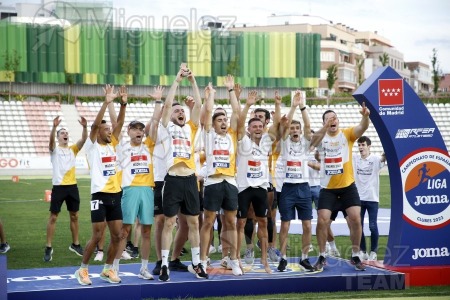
249, 256
212, 249
219, 249
99, 256
125, 255
273, 254
234, 264
363, 255
334, 252
311, 248
145, 274
372, 256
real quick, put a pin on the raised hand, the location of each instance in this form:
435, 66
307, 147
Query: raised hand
237, 90
157, 92
83, 121
189, 100
110, 94
56, 121
229, 82
298, 99
277, 98
252, 97
123, 93
364, 110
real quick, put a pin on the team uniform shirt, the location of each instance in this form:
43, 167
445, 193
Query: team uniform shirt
367, 177
181, 147
314, 175
277, 170
160, 153
220, 157
136, 164
295, 156
252, 166
103, 165
336, 170
63, 163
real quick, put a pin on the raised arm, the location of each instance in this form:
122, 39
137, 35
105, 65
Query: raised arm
110, 95
112, 115
51, 143
296, 101
82, 140
251, 99
151, 129
167, 109
305, 117
121, 118
209, 107
317, 137
235, 107
359, 129
195, 114
275, 128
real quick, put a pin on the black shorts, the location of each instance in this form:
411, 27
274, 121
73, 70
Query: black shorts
257, 197
106, 206
180, 193
68, 193
221, 195
335, 213
157, 194
339, 199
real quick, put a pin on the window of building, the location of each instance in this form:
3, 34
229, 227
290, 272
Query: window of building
327, 56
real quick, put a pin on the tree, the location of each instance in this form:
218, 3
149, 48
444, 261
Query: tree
233, 67
11, 66
436, 77
331, 79
384, 59
360, 65
128, 67
70, 79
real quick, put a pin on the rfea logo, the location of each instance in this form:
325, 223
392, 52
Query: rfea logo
425, 178
390, 92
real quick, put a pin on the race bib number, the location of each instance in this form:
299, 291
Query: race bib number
254, 169
294, 170
221, 159
108, 166
95, 204
334, 166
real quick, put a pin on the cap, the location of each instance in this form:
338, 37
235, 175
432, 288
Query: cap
136, 124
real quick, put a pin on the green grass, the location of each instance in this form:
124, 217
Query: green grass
25, 214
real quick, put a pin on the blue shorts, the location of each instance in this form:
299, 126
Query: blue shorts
138, 201
295, 197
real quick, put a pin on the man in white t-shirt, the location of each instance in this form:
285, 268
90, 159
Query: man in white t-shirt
105, 188
366, 168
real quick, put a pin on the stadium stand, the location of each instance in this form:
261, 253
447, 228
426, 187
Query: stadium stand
25, 126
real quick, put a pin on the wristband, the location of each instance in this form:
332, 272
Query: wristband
123, 104
84, 127
303, 108
230, 90
158, 102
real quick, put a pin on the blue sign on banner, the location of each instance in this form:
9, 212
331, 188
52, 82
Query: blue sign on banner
419, 170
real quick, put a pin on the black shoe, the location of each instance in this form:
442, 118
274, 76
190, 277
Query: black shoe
157, 269
183, 251
321, 261
356, 261
164, 274
76, 249
198, 271
177, 265
48, 254
305, 264
129, 247
282, 265
135, 253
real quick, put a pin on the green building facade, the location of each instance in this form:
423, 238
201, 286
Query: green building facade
93, 55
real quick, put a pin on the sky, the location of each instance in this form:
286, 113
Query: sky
414, 27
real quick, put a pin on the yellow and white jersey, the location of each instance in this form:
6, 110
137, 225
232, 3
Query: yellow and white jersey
182, 144
63, 161
160, 154
252, 165
277, 169
221, 154
295, 157
336, 170
103, 165
136, 164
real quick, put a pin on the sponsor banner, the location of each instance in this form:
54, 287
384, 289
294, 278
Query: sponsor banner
35, 163
419, 170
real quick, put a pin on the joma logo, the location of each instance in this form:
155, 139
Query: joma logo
430, 252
